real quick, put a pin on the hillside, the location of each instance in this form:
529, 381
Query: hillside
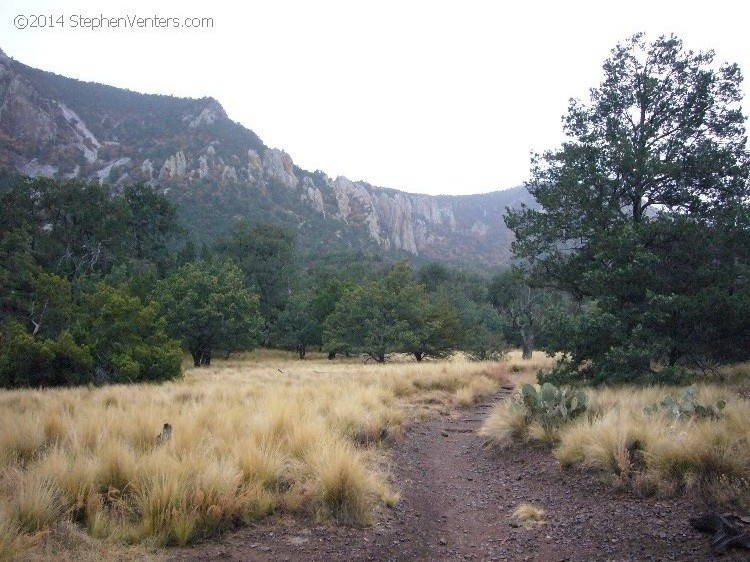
218, 171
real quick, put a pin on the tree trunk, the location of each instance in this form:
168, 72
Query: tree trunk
527, 346
206, 357
331, 355
301, 349
419, 355
196, 357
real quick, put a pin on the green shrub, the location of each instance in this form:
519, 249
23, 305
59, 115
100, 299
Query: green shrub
26, 361
159, 363
128, 338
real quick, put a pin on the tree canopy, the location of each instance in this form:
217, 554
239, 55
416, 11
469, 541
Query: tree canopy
265, 254
643, 211
380, 317
60, 322
207, 306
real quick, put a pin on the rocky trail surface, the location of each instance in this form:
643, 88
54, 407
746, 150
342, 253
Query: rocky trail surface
456, 499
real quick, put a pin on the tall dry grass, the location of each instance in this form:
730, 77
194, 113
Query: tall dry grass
652, 452
251, 436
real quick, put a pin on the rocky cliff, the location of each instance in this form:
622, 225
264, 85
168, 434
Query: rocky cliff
218, 170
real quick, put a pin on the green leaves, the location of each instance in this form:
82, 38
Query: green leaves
207, 307
265, 254
644, 216
128, 339
380, 317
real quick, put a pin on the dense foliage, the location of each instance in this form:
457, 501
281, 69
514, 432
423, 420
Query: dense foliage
61, 322
644, 218
208, 306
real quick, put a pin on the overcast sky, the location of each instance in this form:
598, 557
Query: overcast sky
428, 97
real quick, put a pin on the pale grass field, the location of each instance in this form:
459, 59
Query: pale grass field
653, 453
82, 475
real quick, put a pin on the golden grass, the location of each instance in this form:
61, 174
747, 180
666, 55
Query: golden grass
251, 436
527, 516
655, 453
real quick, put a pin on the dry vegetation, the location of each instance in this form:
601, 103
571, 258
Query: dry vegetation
527, 515
652, 453
81, 468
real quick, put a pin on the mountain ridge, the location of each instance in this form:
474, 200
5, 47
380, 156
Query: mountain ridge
219, 171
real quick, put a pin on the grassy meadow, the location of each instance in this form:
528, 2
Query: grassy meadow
653, 453
82, 470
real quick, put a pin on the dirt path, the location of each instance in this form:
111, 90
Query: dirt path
456, 497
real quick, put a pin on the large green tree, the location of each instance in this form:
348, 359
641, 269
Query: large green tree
127, 338
207, 306
75, 228
265, 253
297, 327
643, 212
380, 317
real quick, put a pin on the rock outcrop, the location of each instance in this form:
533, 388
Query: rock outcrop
278, 166
48, 128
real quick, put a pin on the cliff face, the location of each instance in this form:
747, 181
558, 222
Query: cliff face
58, 127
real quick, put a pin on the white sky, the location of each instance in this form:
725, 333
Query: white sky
425, 96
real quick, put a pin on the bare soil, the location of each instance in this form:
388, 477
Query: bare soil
456, 499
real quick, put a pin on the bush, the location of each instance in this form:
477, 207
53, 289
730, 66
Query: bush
159, 363
26, 361
127, 338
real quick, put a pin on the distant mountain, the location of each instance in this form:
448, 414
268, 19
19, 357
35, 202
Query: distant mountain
219, 171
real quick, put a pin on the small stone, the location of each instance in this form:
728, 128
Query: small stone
443, 541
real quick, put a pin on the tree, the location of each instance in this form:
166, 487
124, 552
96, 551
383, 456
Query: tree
654, 172
522, 308
75, 228
207, 306
18, 273
380, 317
51, 306
29, 361
265, 255
297, 326
432, 275
127, 338
438, 336
482, 330
150, 224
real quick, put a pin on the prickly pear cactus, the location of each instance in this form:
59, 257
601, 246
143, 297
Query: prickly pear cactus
686, 406
551, 406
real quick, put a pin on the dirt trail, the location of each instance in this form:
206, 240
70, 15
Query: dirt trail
456, 497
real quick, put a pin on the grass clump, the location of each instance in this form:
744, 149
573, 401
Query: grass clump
650, 449
10, 533
527, 516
